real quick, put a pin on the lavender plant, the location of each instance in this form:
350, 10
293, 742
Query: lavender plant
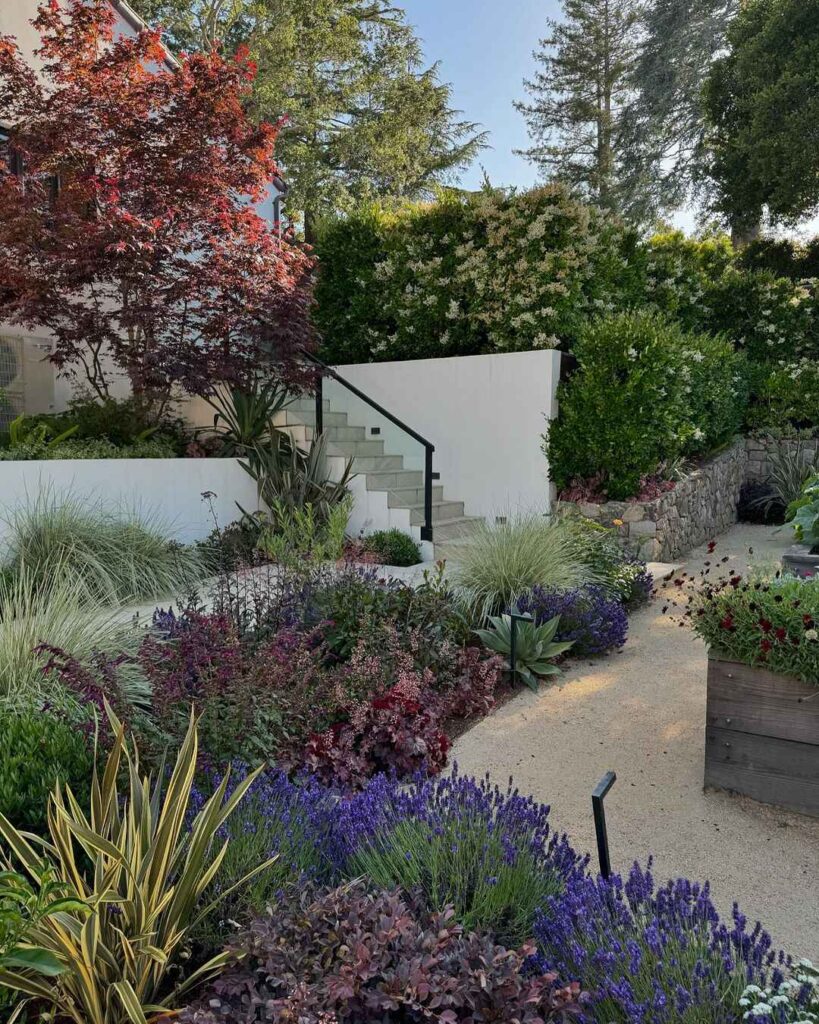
589, 619
288, 820
651, 956
489, 853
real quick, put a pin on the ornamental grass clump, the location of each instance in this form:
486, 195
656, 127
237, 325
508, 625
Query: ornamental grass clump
651, 956
588, 619
491, 854
108, 555
497, 564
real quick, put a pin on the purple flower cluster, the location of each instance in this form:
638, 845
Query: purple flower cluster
650, 956
589, 617
490, 853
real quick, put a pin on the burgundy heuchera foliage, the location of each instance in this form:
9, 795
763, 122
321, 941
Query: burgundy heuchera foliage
131, 231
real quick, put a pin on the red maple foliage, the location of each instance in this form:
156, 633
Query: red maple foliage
131, 234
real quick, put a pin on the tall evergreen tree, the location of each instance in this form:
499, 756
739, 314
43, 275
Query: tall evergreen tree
365, 117
664, 151
762, 102
578, 94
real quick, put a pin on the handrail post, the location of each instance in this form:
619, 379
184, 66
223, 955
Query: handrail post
319, 404
426, 529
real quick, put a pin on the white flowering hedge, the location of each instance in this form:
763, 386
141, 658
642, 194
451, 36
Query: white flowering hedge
465, 275
498, 272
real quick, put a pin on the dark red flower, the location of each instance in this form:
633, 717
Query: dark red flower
765, 645
781, 634
727, 623
765, 625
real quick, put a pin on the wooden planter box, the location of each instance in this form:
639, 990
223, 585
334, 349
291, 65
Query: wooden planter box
762, 735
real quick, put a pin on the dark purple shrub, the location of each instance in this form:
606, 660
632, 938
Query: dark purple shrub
368, 957
592, 620
488, 852
651, 956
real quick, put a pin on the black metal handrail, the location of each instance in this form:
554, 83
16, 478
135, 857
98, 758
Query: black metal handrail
429, 447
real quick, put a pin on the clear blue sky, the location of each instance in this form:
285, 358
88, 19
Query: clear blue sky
485, 51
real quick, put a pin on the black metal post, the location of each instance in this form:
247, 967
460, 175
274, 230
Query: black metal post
600, 790
515, 618
319, 404
426, 529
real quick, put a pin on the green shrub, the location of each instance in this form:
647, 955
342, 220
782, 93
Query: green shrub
101, 448
644, 393
497, 564
107, 555
785, 396
393, 547
38, 750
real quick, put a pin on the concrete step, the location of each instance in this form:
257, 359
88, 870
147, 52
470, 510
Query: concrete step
370, 464
456, 528
306, 403
291, 417
407, 497
442, 511
395, 481
333, 434
353, 449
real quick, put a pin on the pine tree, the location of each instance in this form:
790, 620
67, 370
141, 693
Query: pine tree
365, 117
578, 95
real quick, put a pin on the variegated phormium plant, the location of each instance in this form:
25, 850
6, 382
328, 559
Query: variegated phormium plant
141, 895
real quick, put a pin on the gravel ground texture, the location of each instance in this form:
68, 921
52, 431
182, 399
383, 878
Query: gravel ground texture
641, 713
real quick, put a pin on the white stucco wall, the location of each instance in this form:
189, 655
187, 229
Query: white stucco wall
169, 489
484, 414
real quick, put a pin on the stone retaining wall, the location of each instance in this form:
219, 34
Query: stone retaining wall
701, 506
759, 454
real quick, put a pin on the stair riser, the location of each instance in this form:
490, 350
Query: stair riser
356, 448
454, 531
307, 417
409, 496
307, 404
334, 435
444, 510
378, 464
389, 481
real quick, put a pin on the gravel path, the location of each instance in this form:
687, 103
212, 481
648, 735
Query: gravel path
642, 714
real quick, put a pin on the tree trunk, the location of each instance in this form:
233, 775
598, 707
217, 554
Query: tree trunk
745, 230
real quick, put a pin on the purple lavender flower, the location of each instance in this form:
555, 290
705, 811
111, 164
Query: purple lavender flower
592, 620
652, 955
490, 853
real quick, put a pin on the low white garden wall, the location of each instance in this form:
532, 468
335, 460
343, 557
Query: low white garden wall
484, 414
170, 489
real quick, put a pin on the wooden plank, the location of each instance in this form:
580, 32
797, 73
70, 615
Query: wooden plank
749, 699
767, 768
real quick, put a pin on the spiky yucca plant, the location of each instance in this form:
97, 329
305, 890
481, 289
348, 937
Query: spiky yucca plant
149, 868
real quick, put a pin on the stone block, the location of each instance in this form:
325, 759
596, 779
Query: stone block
644, 528
634, 513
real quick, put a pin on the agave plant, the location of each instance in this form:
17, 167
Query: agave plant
138, 867
534, 646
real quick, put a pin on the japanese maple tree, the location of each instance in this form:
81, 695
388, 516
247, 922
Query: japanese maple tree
131, 233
